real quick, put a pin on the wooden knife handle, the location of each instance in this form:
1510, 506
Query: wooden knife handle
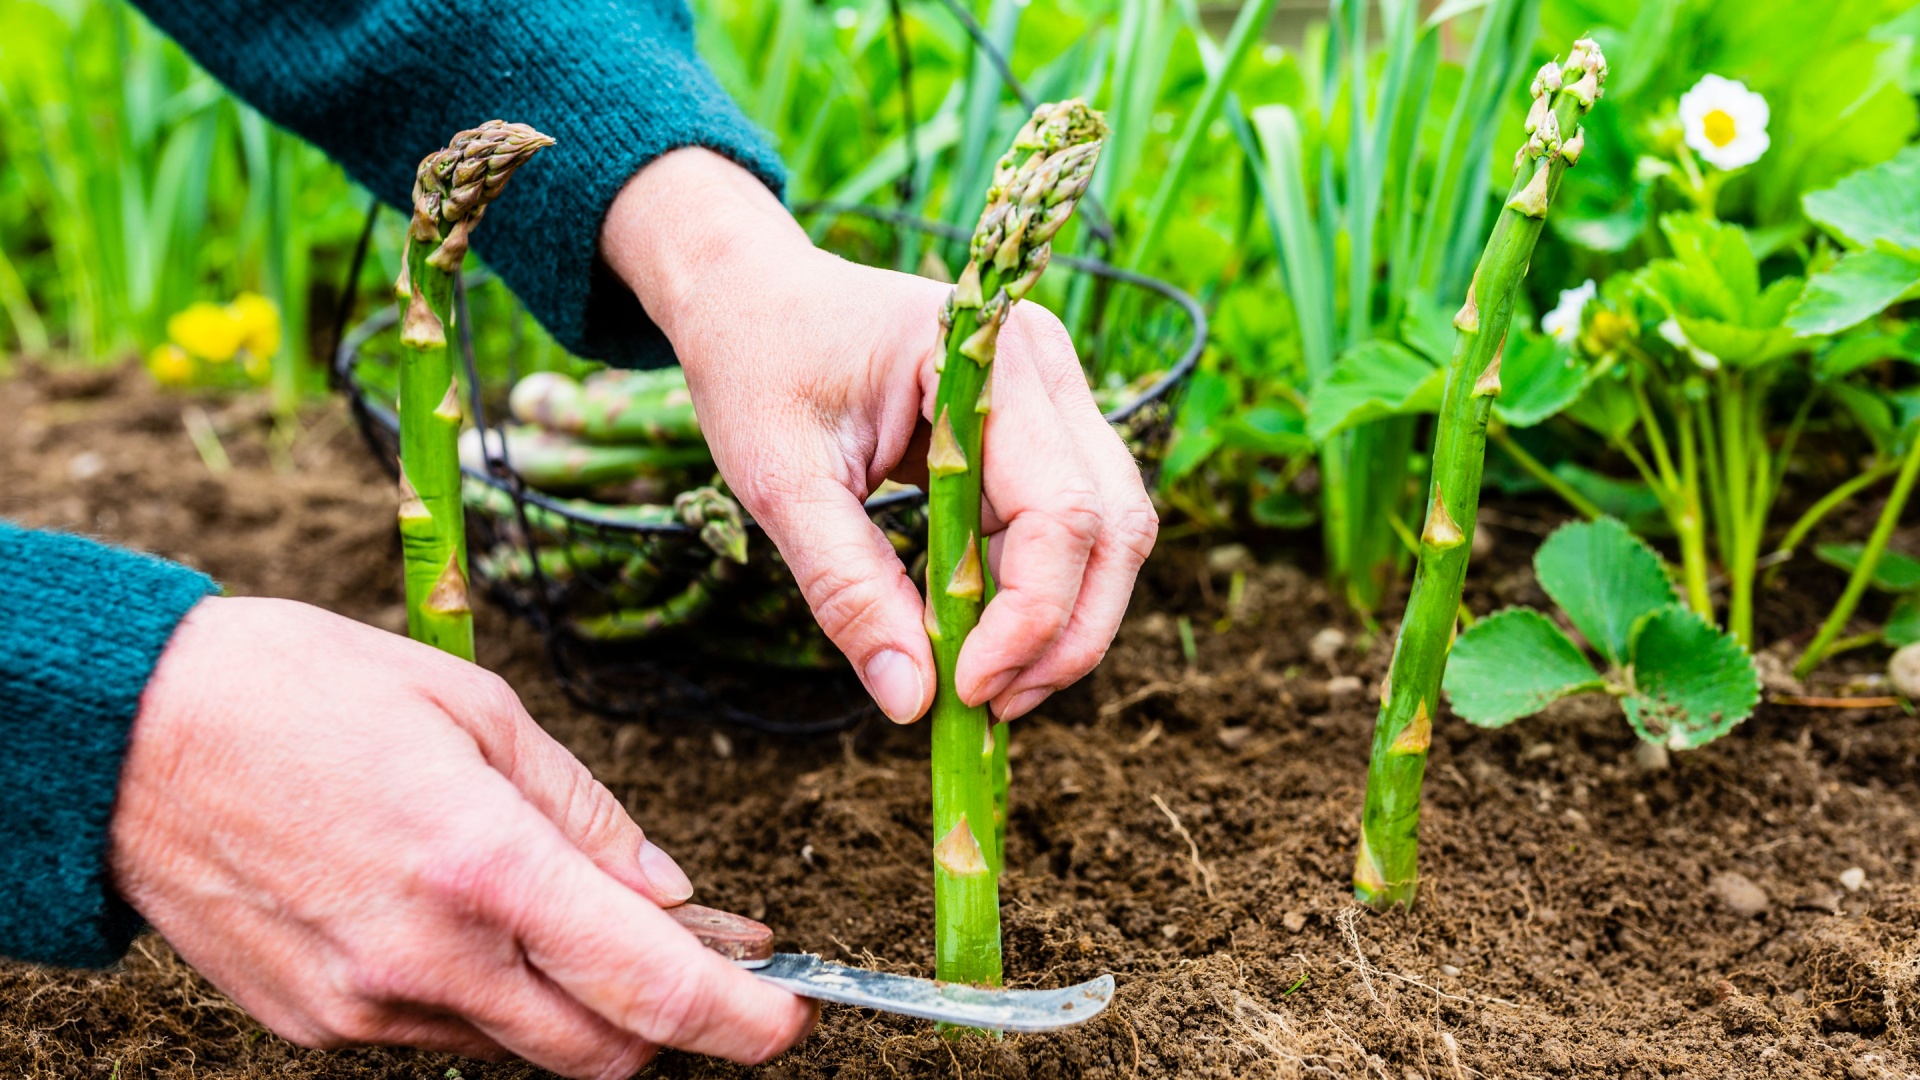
735, 937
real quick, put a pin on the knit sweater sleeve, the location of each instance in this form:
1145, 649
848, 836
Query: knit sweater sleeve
81, 628
378, 84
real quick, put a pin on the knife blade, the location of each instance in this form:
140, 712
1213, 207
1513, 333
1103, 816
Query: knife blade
750, 945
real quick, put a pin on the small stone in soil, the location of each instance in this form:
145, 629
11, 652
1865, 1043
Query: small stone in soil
1651, 757
1326, 645
1169, 931
1853, 879
1228, 558
1233, 738
1738, 892
1343, 689
1904, 670
1449, 971
722, 746
1294, 921
1537, 751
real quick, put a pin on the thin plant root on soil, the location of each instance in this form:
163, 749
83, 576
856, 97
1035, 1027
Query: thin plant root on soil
1194, 839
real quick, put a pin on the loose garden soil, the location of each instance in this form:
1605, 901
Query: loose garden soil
1186, 826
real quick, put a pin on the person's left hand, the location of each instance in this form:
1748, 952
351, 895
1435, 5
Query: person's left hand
814, 381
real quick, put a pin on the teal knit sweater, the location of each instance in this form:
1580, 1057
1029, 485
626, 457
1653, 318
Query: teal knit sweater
377, 84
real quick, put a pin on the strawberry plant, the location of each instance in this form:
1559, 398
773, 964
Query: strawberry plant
1681, 682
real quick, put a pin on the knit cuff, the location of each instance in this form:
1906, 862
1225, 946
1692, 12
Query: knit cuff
81, 627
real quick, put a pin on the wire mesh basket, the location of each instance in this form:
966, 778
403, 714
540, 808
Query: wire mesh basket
647, 615
643, 613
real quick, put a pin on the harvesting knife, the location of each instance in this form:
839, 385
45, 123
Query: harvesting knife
750, 945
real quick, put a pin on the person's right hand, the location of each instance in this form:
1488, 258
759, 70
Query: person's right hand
364, 840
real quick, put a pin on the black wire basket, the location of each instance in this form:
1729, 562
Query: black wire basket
709, 637
712, 638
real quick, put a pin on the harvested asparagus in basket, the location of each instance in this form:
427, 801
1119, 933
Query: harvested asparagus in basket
552, 461
651, 407
1034, 190
1385, 873
451, 191
721, 524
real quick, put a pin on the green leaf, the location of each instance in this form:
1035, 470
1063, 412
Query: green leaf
1538, 380
1870, 409
1605, 579
1196, 430
1691, 683
1428, 328
1275, 428
1737, 346
1894, 573
1511, 664
1879, 205
1719, 258
1374, 379
1282, 508
1857, 288
1855, 352
1903, 622
1632, 501
1607, 407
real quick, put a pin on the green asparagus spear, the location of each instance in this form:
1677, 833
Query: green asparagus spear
551, 461
451, 190
721, 523
1385, 873
610, 406
1034, 190
680, 609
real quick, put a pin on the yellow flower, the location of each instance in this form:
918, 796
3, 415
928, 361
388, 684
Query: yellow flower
208, 331
260, 321
170, 365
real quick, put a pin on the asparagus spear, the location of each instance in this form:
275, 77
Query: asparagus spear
1035, 188
610, 406
554, 462
722, 525
451, 190
1385, 873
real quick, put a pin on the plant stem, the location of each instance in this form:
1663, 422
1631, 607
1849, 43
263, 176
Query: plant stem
1818, 512
1386, 870
1551, 480
451, 190
1869, 561
1034, 190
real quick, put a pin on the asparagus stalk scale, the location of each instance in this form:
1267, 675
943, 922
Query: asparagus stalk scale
451, 190
1385, 872
1034, 190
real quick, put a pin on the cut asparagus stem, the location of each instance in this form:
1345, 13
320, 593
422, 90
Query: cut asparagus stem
610, 406
451, 190
1034, 190
1386, 871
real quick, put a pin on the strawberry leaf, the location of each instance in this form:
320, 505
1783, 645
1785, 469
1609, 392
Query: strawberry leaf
1691, 683
1511, 664
1605, 579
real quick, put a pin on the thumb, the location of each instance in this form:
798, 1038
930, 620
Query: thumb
858, 590
564, 792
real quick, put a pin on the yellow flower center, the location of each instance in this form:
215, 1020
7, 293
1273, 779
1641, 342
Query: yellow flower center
1718, 127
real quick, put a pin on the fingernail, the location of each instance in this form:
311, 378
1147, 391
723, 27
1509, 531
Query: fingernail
994, 687
664, 874
1023, 703
895, 682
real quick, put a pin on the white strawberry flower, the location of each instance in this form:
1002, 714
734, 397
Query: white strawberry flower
1725, 122
1677, 337
1562, 324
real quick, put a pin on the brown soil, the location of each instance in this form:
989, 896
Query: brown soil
1188, 827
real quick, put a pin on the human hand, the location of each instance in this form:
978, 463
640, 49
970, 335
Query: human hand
814, 381
364, 840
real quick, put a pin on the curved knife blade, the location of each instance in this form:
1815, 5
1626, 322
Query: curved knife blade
950, 1003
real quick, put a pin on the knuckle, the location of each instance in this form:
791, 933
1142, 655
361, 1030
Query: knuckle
1137, 527
473, 867
841, 601
343, 1021
671, 1007
1076, 511
490, 695
624, 1062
